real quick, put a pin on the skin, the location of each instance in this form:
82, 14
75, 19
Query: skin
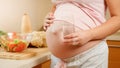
50, 17
109, 27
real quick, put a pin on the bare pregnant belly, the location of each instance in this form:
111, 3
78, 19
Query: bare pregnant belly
61, 50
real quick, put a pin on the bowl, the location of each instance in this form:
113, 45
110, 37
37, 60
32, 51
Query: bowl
13, 42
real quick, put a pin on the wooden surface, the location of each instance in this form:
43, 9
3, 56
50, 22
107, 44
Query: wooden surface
113, 42
114, 57
28, 53
114, 53
44, 65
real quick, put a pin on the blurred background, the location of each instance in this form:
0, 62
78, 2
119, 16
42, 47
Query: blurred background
11, 13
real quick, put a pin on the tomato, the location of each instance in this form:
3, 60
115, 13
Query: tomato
11, 45
20, 47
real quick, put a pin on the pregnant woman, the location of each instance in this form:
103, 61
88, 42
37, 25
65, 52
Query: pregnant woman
85, 47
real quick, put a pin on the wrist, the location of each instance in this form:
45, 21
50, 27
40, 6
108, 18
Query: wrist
91, 34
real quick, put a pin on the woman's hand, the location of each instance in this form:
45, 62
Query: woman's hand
78, 38
48, 20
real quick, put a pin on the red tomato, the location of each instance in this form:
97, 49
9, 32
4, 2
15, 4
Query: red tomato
20, 47
11, 46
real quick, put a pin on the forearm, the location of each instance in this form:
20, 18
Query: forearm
109, 27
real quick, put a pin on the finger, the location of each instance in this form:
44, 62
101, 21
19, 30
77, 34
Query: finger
49, 17
51, 14
75, 43
49, 21
69, 36
71, 40
46, 26
72, 43
67, 40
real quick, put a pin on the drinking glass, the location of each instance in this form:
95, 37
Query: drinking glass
68, 28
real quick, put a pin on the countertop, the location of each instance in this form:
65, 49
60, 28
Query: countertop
41, 57
115, 37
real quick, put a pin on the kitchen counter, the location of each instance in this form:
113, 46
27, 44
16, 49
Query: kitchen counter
41, 57
115, 36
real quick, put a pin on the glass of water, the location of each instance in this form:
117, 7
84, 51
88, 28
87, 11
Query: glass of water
68, 28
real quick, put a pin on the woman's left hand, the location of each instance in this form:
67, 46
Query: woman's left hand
78, 38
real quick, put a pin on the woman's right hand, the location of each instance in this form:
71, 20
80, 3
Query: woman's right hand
48, 20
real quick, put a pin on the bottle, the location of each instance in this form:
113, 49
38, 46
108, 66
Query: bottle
26, 24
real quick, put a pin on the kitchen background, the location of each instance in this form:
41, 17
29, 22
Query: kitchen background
11, 13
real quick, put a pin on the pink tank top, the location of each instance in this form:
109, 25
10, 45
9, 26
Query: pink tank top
95, 9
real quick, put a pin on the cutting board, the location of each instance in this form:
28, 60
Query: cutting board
28, 53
